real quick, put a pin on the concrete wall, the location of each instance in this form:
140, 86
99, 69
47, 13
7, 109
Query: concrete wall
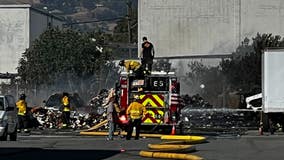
197, 27
20, 25
14, 37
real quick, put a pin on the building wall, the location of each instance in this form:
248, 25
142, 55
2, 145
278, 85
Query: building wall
20, 25
197, 27
40, 22
14, 37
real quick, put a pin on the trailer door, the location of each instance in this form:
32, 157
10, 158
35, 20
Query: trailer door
273, 80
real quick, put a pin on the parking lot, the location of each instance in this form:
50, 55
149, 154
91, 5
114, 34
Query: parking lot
223, 147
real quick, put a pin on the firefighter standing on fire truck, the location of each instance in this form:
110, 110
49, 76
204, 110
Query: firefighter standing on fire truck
135, 113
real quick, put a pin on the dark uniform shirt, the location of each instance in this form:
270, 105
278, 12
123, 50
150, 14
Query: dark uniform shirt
148, 51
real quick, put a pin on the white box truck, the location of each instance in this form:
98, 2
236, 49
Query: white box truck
272, 95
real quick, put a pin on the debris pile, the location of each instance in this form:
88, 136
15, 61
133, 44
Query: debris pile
220, 119
50, 117
195, 101
197, 114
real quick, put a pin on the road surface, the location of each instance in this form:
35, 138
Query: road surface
70, 147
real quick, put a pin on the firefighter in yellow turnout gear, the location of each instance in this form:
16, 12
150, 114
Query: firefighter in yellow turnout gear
22, 114
132, 66
135, 113
65, 101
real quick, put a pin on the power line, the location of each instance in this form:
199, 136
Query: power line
93, 21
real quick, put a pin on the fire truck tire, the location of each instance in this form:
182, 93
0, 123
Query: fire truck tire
169, 155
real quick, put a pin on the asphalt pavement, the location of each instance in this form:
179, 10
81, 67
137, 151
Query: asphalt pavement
250, 146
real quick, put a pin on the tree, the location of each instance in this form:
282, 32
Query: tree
63, 59
163, 65
205, 80
243, 71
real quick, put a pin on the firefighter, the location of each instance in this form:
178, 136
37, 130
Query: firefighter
22, 114
135, 113
147, 55
132, 66
65, 107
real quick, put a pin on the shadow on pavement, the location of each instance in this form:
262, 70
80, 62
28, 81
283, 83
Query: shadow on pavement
53, 154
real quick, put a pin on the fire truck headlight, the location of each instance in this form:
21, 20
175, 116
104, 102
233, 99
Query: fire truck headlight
173, 118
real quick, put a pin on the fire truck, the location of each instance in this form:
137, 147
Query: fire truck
158, 92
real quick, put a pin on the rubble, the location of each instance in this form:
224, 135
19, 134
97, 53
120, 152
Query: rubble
49, 117
198, 114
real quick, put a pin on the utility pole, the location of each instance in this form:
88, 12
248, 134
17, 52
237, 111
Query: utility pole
129, 16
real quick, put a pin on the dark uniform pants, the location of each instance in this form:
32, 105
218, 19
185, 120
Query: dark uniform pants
134, 123
147, 63
66, 118
23, 122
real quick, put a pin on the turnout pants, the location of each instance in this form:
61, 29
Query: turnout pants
134, 123
65, 118
23, 122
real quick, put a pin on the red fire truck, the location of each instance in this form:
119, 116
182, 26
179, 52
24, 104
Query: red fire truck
158, 92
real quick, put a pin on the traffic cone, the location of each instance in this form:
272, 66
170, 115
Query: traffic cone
173, 132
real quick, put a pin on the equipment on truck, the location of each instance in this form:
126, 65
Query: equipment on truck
272, 90
158, 92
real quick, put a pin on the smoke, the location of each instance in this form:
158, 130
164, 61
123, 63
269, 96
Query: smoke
86, 85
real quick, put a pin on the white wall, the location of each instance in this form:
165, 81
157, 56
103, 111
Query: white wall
20, 25
190, 27
14, 37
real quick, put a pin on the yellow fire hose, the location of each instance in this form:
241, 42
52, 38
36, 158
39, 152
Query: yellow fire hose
169, 155
116, 133
96, 126
176, 139
171, 148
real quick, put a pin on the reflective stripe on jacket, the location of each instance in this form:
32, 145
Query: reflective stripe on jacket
22, 107
136, 110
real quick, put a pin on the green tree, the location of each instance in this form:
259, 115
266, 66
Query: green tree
210, 78
243, 70
64, 59
163, 65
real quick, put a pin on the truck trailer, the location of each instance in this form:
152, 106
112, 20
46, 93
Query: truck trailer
272, 107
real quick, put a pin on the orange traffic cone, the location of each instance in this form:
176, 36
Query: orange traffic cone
173, 130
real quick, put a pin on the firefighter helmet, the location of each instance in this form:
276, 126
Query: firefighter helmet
121, 63
65, 94
22, 96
